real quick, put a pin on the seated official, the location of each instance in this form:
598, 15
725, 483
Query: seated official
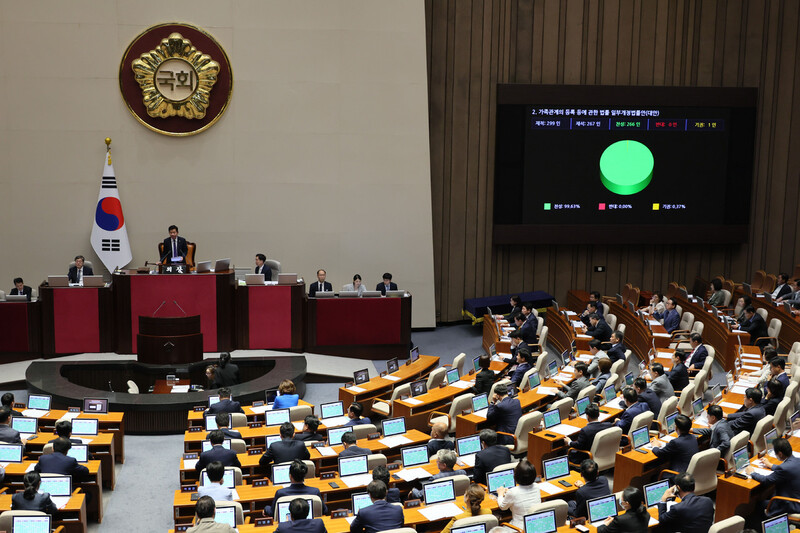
287, 395
504, 413
598, 328
647, 396
473, 499
679, 451
597, 355
445, 462
743, 303
298, 510
768, 353
656, 304
593, 307
175, 248
746, 418
64, 429
320, 285
354, 412
794, 292
694, 514
530, 327
782, 287
522, 495
59, 462
490, 456
592, 486
718, 429
379, 516
524, 363
79, 270
225, 404
773, 397
381, 473
678, 376
204, 511
8, 434
309, 433
297, 474
777, 368
526, 335
604, 369
439, 440
31, 499
785, 476
580, 381
670, 317
516, 308
20, 288
660, 383
518, 345
227, 373
387, 284
7, 401
635, 519
350, 448
216, 473
617, 350
585, 437
484, 379
223, 421
697, 357
717, 298
633, 407
754, 325
217, 453
285, 450
356, 286
262, 267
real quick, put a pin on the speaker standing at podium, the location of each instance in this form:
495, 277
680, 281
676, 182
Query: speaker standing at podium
175, 248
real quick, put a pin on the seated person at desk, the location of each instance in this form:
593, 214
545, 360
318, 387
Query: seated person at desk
647, 396
746, 418
530, 327
517, 344
387, 284
215, 471
445, 462
661, 384
597, 355
285, 450
794, 293
349, 442
585, 437
59, 462
742, 303
223, 420
697, 357
379, 516
754, 325
485, 378
504, 413
785, 476
217, 453
175, 248
287, 395
320, 285
782, 287
7, 401
523, 495
679, 451
580, 381
593, 307
309, 433
670, 317
634, 407
225, 404
718, 429
524, 363
21, 288
381, 473
212, 381
773, 397
592, 486
297, 474
768, 353
717, 298
777, 368
635, 519
694, 514
64, 429
527, 335
490, 456
356, 286
678, 376
598, 328
617, 350
31, 499
656, 304
516, 308
204, 511
227, 373
599, 382
473, 500
8, 434
439, 440
354, 412
300, 523
77, 272
262, 267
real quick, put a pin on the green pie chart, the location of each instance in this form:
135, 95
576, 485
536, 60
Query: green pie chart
626, 167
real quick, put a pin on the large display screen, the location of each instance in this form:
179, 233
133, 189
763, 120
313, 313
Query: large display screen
601, 164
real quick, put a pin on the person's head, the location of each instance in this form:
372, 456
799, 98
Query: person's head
298, 470
671, 303
640, 384
173, 231
485, 361
488, 437
381, 473
714, 413
604, 365
222, 420
774, 388
7, 400
752, 396
632, 499
376, 490
215, 471
617, 337
287, 387
321, 275
683, 424
591, 307
657, 297
678, 357
19, 284
446, 460
64, 428
594, 318
515, 301
782, 448
768, 353
695, 340
594, 345
716, 284
224, 393
594, 296
298, 509
216, 437
61, 445
783, 277
777, 365
355, 411
516, 337
348, 439
387, 278
205, 507
582, 368
519, 320
439, 430
312, 423
211, 371
224, 359
474, 498
592, 412
527, 308
684, 482
749, 311
629, 395
501, 390
287, 430
357, 281
31, 481
658, 369
79, 259
589, 470
524, 356
524, 473
260, 258
5, 415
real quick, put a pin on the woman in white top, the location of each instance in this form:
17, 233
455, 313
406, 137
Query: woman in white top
356, 286
521, 497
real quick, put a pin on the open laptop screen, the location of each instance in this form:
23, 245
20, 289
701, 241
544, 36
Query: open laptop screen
360, 500
276, 417
501, 478
80, 452
335, 435
285, 516
452, 376
353, 465
474, 528
85, 426
534, 380
226, 443
741, 459
414, 455
779, 524
280, 474
640, 436
329, 410
39, 401
653, 492
56, 485
24, 424
544, 522
468, 445
439, 491
419, 387
556, 468
582, 404
479, 402
552, 418
670, 420
225, 515
10, 453
228, 479
95, 405
31, 524
602, 508
609, 393
393, 426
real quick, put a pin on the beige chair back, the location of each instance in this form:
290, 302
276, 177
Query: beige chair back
564, 406
298, 413
375, 460
700, 383
2, 296
559, 506
541, 363
458, 362
762, 427
617, 367
774, 328
734, 524
781, 415
613, 379
436, 377
460, 484
458, 406
686, 399
589, 391
737, 441
48, 449
621, 327
489, 519
642, 420
528, 422
238, 420
703, 467
238, 446
611, 320
362, 431
763, 313
687, 321
401, 390
791, 393
605, 447
667, 408
505, 466
543, 337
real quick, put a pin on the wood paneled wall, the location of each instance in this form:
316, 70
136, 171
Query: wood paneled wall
474, 44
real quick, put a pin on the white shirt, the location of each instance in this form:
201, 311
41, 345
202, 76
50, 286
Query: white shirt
519, 499
777, 290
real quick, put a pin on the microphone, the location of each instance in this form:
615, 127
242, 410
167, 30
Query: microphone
164, 256
159, 307
179, 307
109, 386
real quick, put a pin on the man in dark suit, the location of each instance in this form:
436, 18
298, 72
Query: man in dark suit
381, 473
387, 284
694, 514
64, 429
754, 325
634, 407
349, 442
223, 420
438, 440
697, 357
647, 396
598, 329
59, 463
309, 433
262, 267
782, 287
504, 413
320, 285
7, 433
679, 451
777, 367
285, 450
746, 418
175, 248
593, 307
617, 350
297, 475
530, 327
7, 400
785, 476
21, 288
225, 404
490, 456
593, 486
526, 334
79, 270
670, 316
719, 430
354, 412
217, 453
379, 516
585, 437
298, 510
678, 376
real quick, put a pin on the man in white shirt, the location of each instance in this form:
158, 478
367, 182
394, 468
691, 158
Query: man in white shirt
215, 489
782, 288
262, 267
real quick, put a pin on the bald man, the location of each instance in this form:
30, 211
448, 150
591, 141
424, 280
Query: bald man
439, 439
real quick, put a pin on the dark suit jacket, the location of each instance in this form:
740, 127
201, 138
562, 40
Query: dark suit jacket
58, 463
770, 405
756, 327
585, 437
652, 400
694, 514
504, 415
721, 435
73, 273
183, 250
627, 523
528, 329
308, 436
27, 291
514, 313
284, 451
381, 287
40, 502
354, 450
229, 434
225, 406
217, 453
296, 489
228, 376
519, 373
626, 419
746, 419
595, 489
379, 516
312, 288
785, 289
9, 435
304, 525
679, 452
393, 495
616, 353
487, 459
602, 331
698, 359
266, 270
671, 319
483, 381
678, 376
786, 478
434, 445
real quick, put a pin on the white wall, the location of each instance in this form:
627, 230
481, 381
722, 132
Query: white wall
321, 160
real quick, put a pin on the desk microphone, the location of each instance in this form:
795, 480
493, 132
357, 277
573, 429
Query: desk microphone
179, 307
159, 307
109, 386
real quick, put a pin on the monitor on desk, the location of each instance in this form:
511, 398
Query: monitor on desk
31, 524
552, 368
640, 437
57, 281
501, 478
353, 465
226, 443
359, 501
280, 474
567, 355
371, 294
670, 420
287, 278
419, 388
543, 522
211, 422
609, 393
452, 376
654, 491
225, 515
395, 294
747, 289
228, 479
601, 508
474, 528
620, 299
10, 453
284, 515
778, 524
276, 417
214, 398
361, 376
629, 379
93, 281
414, 354
414, 455
741, 459
582, 404
393, 426
555, 306
16, 297
348, 294
85, 426
205, 266
332, 409
269, 396
335, 435
480, 402
97, 406
80, 452
39, 402
476, 363
392, 365
272, 438
552, 418
697, 407
56, 485
631, 306
769, 438
555, 468
25, 424
222, 265
716, 393
534, 380
468, 445
439, 491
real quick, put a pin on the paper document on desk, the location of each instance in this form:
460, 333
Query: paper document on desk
234, 494
739, 389
391, 377
738, 331
326, 451
762, 471
349, 519
69, 416
481, 412
410, 474
577, 323
189, 464
652, 522
568, 369
564, 429
356, 389
665, 354
505, 338
358, 480
394, 441
654, 322
729, 405
298, 426
260, 410
440, 511
467, 460
571, 313
30, 467
461, 384
751, 367
661, 335
547, 391
603, 416
563, 377
60, 501
413, 401
549, 488
335, 421
84, 440
584, 358
179, 388
581, 336
34, 413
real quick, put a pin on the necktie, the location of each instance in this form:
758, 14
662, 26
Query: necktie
80, 275
174, 248
320, 287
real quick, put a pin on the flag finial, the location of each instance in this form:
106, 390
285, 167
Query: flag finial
108, 143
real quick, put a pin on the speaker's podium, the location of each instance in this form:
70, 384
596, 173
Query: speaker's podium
169, 340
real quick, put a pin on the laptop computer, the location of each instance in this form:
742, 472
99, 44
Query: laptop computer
205, 266
393, 426
414, 353
59, 487
335, 435
552, 418
25, 425
280, 474
276, 417
609, 393
289, 278
419, 388
741, 459
16, 297
476, 363
467, 447
283, 514
98, 406
769, 438
777, 524
670, 420
353, 465
254, 279
58, 281
272, 438
85, 426
211, 422
501, 478
439, 491
534, 380
392, 365
222, 265
543, 522
480, 404
39, 402
555, 468
348, 294
361, 376
552, 368
414, 455
395, 294
582, 404
629, 379
371, 294
93, 281
206, 445
640, 437
80, 452
324, 294
653, 492
452, 376
10, 453
214, 398
225, 515
331, 410
360, 500
601, 508
31, 524
228, 479
474, 528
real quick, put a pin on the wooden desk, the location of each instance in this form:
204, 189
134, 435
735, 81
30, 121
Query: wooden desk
197, 418
76, 319
280, 306
438, 399
492, 337
635, 469
112, 422
101, 447
72, 516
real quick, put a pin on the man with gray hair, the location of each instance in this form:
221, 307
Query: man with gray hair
445, 461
